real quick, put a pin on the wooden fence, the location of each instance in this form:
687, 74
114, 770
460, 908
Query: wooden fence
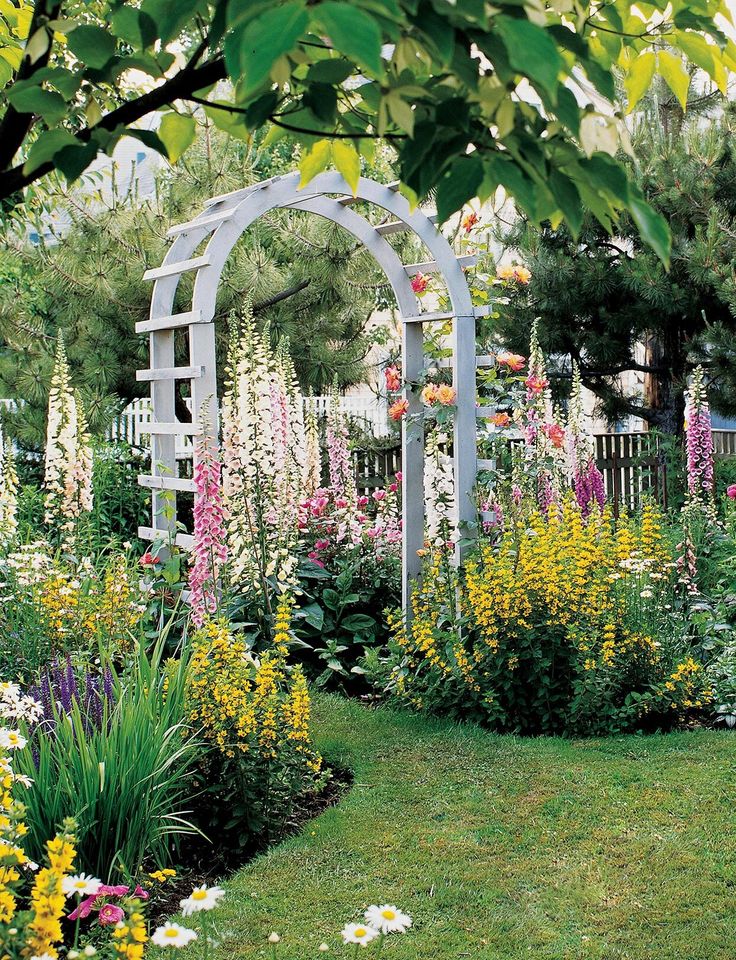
633, 465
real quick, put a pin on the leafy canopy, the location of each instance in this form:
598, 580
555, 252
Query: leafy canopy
519, 94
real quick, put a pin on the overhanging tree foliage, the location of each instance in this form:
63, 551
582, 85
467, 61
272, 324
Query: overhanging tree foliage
305, 277
608, 304
439, 79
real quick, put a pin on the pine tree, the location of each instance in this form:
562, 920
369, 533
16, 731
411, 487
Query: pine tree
608, 305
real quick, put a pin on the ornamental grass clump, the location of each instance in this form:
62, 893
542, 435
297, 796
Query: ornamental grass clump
256, 712
128, 780
567, 626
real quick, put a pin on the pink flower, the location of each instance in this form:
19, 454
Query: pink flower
363, 501
393, 487
372, 532
469, 221
110, 914
148, 559
115, 891
84, 909
555, 434
399, 476
210, 549
379, 495
419, 283
731, 491
513, 361
536, 384
341, 503
140, 893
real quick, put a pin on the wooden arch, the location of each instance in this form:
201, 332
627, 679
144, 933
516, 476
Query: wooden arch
224, 220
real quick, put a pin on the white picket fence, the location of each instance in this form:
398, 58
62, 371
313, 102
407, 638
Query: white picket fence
369, 411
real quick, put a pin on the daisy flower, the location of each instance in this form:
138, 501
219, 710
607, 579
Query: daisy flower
172, 935
201, 898
12, 740
81, 884
387, 919
359, 933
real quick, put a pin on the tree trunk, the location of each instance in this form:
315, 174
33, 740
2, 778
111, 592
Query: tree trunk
664, 392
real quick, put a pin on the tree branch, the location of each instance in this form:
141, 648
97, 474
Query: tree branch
14, 126
179, 87
284, 295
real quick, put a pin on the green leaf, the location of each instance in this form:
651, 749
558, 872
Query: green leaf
48, 104
73, 161
229, 122
704, 55
135, 27
358, 623
177, 132
675, 75
458, 185
315, 161
639, 77
314, 615
567, 196
652, 226
260, 44
330, 71
46, 146
353, 32
92, 45
347, 161
532, 52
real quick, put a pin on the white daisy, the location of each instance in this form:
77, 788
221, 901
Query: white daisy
201, 898
12, 740
42, 956
172, 935
80, 885
359, 933
387, 919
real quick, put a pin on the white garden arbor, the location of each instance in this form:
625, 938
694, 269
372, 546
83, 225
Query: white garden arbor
202, 246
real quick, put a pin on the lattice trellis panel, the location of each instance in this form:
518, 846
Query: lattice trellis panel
224, 220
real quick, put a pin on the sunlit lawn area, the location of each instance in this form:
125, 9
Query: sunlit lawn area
505, 847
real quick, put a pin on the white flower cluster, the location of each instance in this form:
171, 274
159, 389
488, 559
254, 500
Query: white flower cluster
439, 491
264, 453
68, 465
8, 494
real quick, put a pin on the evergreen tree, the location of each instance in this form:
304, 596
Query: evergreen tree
608, 305
308, 280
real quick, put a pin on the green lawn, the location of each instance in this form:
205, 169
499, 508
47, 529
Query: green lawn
503, 847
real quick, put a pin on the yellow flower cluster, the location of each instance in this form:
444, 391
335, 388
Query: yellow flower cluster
687, 687
130, 936
75, 604
248, 707
567, 599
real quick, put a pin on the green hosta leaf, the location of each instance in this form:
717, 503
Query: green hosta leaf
177, 132
352, 31
315, 161
675, 75
532, 52
46, 103
459, 184
92, 45
254, 50
46, 146
652, 226
639, 77
347, 161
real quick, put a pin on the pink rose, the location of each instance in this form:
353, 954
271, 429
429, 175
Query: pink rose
399, 476
362, 501
393, 487
731, 491
110, 914
379, 495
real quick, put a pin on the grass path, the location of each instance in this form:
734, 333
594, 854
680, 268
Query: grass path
506, 848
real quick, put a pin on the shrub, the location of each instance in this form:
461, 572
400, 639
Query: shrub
256, 713
561, 625
126, 777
